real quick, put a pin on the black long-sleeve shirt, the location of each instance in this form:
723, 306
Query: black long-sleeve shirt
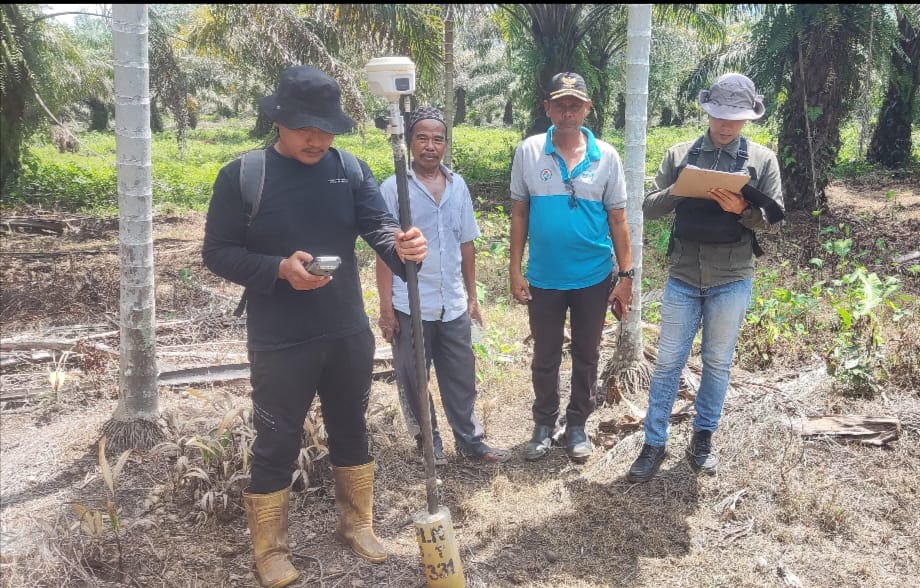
310, 208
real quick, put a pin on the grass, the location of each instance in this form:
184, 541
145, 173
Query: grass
182, 180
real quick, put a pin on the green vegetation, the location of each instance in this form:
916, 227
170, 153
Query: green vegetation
85, 181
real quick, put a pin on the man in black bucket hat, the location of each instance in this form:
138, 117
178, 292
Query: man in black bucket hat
307, 334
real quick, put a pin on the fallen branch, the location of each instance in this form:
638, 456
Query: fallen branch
210, 373
868, 430
902, 259
58, 254
34, 225
240, 371
52, 344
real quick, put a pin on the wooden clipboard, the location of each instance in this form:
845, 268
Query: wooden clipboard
695, 182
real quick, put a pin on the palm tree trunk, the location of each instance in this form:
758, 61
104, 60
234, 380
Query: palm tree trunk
448, 79
630, 371
13, 98
134, 423
824, 75
891, 143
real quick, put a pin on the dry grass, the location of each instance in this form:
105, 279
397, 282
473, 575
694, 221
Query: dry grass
827, 514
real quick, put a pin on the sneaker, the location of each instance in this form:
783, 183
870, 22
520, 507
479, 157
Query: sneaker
700, 453
577, 444
539, 444
647, 464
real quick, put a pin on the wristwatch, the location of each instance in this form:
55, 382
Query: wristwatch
630, 273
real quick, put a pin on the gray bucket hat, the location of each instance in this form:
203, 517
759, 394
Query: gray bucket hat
307, 97
732, 97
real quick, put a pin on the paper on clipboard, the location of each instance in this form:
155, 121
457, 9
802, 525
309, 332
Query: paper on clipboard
695, 182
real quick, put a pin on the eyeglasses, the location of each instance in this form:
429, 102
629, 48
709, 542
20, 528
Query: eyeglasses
570, 187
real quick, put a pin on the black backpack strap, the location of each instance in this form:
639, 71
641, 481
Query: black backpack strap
353, 171
252, 180
695, 151
241, 307
742, 156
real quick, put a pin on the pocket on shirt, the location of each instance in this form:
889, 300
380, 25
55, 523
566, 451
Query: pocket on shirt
456, 220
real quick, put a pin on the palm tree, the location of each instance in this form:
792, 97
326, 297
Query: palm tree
18, 59
484, 82
168, 80
813, 53
449, 18
891, 141
259, 41
549, 38
134, 423
41, 70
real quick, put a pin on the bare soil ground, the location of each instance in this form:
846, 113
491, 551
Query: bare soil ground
783, 511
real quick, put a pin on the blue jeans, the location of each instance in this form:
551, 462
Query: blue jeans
721, 310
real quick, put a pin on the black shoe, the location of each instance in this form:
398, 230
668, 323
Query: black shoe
646, 465
702, 456
577, 444
539, 443
486, 454
439, 457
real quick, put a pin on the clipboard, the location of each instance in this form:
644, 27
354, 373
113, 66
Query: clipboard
695, 182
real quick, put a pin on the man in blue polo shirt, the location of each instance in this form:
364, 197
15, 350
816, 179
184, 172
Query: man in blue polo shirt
441, 203
569, 195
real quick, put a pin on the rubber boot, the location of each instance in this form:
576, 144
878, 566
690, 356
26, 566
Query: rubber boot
354, 499
268, 525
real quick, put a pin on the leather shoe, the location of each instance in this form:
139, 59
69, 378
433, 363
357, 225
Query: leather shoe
702, 456
646, 465
577, 444
540, 443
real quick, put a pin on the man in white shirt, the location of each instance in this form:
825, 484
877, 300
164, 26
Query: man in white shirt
442, 207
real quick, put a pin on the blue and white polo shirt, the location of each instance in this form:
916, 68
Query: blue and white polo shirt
570, 247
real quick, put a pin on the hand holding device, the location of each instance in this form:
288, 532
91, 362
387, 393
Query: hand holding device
323, 265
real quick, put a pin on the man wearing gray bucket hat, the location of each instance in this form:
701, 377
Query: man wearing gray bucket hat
307, 331
710, 266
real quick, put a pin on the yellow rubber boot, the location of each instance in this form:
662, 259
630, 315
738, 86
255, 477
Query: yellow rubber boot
268, 525
354, 499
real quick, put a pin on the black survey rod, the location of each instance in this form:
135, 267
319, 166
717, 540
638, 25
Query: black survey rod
415, 316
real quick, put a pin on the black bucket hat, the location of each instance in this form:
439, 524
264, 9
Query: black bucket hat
307, 97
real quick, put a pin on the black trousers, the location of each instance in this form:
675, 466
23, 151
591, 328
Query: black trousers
284, 383
547, 310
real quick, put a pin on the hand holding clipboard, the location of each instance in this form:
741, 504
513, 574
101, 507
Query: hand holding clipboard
695, 182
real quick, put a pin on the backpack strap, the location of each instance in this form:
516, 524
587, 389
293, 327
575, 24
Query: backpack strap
252, 181
742, 156
353, 171
695, 151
